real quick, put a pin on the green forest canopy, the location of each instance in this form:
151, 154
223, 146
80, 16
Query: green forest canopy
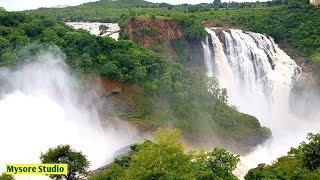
125, 61
293, 20
166, 158
128, 62
301, 163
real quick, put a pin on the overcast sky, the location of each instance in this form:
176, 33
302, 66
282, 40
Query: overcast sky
18, 5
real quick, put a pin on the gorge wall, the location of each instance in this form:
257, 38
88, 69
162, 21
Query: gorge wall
261, 80
154, 33
165, 36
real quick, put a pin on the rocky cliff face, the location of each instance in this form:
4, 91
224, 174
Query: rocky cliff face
148, 32
165, 36
315, 2
154, 33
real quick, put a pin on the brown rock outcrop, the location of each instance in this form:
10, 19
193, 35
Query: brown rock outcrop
148, 32
154, 33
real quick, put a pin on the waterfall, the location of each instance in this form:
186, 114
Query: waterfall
258, 76
208, 59
254, 70
42, 106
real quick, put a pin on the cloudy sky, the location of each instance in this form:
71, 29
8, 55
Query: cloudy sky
18, 5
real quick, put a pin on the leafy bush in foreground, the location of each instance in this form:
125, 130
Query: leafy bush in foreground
300, 163
165, 158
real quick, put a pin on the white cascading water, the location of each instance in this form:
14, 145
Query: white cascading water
42, 106
258, 76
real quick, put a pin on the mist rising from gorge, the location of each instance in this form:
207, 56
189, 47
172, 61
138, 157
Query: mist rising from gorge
259, 77
43, 105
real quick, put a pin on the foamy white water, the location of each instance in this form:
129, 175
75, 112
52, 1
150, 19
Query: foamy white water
93, 28
42, 106
258, 76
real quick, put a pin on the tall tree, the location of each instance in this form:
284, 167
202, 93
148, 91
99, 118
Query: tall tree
216, 3
64, 154
309, 153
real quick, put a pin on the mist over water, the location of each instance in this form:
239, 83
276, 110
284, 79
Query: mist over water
259, 76
42, 106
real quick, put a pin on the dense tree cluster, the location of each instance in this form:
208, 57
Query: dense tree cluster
103, 10
292, 20
119, 60
196, 105
77, 162
296, 22
234, 4
166, 158
126, 61
193, 28
302, 163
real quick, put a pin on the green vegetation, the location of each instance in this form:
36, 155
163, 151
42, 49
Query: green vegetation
119, 60
128, 62
193, 29
188, 101
297, 22
233, 4
293, 20
309, 152
77, 162
302, 163
198, 111
104, 10
103, 29
165, 158
180, 47
118, 11
6, 177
